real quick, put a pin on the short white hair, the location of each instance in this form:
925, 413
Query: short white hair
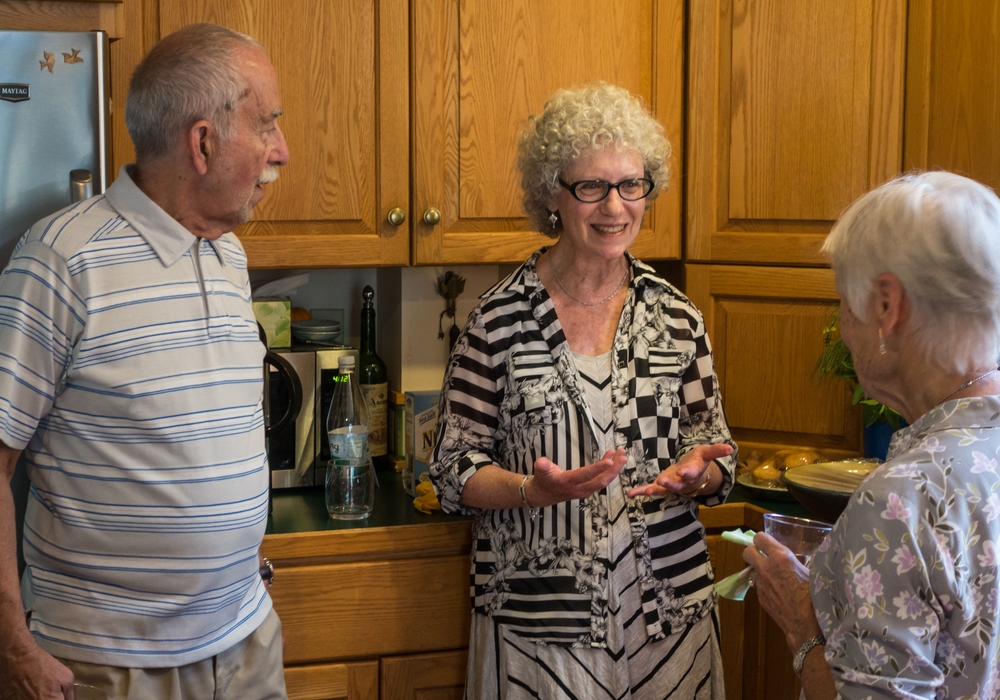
189, 75
939, 233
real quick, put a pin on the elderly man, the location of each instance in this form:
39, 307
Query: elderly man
130, 373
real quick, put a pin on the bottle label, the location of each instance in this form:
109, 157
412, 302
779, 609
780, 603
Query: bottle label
376, 398
348, 446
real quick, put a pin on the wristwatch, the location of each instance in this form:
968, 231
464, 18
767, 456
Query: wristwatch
267, 571
800, 656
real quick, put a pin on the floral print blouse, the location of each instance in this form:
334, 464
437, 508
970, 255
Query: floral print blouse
905, 587
512, 394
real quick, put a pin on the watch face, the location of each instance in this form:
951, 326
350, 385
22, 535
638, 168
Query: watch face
267, 572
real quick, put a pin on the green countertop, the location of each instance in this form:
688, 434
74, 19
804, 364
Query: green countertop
304, 510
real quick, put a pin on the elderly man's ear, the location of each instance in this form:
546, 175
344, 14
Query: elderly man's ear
202, 143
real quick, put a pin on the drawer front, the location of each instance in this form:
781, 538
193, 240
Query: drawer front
359, 609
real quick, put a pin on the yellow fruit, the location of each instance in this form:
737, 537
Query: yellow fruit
300, 314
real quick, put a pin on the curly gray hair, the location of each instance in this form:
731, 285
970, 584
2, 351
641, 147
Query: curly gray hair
189, 75
580, 120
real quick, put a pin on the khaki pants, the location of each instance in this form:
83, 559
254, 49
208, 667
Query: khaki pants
249, 670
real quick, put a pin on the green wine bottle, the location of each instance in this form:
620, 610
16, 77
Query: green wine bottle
374, 381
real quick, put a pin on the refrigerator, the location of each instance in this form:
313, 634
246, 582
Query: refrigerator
55, 142
55, 104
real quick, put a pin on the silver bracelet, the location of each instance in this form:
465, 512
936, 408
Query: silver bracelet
800, 656
524, 496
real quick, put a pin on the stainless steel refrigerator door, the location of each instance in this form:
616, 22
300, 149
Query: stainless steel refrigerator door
54, 108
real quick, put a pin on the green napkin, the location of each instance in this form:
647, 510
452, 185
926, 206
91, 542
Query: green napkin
735, 587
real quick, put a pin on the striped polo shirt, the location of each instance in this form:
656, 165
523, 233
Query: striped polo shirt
131, 373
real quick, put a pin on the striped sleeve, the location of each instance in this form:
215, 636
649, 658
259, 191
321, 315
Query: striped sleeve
702, 420
42, 316
470, 400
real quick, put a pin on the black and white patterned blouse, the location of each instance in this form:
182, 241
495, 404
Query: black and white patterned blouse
512, 394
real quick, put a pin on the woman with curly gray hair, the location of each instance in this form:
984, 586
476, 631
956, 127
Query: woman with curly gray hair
581, 424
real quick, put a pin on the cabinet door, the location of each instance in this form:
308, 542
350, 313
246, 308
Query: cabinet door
351, 681
756, 662
343, 73
795, 110
766, 328
481, 67
953, 88
439, 676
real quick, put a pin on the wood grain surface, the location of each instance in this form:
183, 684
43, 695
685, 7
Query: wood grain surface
766, 327
483, 66
795, 109
953, 88
337, 63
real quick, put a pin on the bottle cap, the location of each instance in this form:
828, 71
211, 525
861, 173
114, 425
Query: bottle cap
345, 361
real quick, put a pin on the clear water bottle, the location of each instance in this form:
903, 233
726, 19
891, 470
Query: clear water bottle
350, 476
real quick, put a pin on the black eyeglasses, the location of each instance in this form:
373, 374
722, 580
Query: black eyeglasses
591, 191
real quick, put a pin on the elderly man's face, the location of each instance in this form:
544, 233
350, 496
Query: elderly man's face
251, 158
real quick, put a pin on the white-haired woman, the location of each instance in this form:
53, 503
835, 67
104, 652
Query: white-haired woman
904, 590
581, 424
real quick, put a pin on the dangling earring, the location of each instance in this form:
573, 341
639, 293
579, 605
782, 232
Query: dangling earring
553, 220
881, 343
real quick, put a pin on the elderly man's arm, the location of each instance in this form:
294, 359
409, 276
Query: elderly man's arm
27, 670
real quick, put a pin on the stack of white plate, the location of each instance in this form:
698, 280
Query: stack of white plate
316, 330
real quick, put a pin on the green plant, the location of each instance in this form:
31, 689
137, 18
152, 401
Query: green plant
836, 361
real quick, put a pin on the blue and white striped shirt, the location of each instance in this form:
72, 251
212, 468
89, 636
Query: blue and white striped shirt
130, 370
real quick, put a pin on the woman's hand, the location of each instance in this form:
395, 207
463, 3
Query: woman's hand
552, 484
688, 474
782, 584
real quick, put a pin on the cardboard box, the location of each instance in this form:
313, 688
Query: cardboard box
420, 427
275, 316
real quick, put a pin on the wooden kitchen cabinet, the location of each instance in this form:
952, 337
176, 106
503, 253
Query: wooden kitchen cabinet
756, 661
350, 681
794, 110
440, 676
364, 611
953, 88
766, 328
343, 70
481, 67
383, 612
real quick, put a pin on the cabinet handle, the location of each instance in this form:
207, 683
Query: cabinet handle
396, 216
432, 217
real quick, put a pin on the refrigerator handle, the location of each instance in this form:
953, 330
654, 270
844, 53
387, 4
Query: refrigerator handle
81, 185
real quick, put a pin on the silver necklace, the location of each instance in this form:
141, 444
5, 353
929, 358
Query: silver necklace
968, 384
605, 300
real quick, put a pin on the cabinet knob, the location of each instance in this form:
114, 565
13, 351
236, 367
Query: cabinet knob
396, 216
432, 217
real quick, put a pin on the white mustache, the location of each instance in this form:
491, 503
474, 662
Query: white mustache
270, 174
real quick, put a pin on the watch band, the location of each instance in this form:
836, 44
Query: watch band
267, 571
800, 656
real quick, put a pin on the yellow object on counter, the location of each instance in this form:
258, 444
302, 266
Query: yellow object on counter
426, 500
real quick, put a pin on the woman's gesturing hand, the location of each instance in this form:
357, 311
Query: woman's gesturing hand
553, 484
688, 474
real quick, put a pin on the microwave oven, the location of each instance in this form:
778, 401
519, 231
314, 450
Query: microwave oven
298, 450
